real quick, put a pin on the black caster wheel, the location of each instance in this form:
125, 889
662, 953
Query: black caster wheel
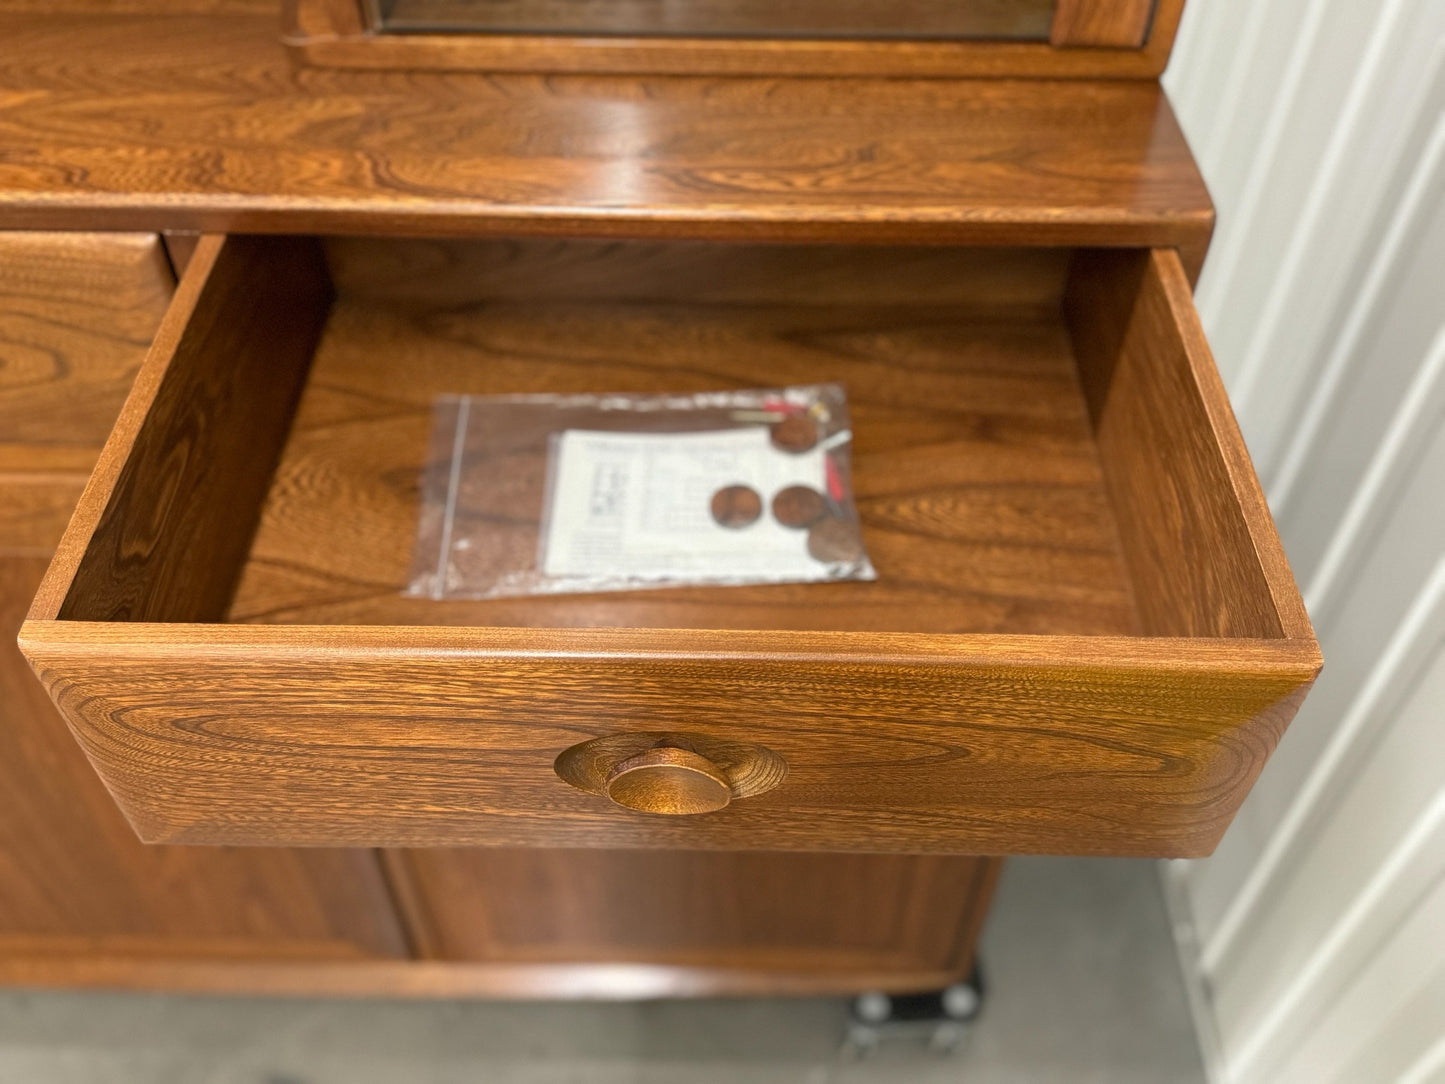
940, 1017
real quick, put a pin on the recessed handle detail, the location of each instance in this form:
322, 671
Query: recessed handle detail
666, 780
671, 774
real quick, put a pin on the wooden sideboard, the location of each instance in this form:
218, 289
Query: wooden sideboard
1084, 639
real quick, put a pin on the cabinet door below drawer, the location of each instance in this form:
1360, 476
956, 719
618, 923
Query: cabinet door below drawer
82, 899
703, 922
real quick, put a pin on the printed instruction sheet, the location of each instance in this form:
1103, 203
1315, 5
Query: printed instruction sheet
637, 505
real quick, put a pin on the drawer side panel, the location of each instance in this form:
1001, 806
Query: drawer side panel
166, 520
1198, 541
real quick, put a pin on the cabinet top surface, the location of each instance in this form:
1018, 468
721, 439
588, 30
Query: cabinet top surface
202, 122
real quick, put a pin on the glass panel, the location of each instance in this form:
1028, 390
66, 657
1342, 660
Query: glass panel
917, 19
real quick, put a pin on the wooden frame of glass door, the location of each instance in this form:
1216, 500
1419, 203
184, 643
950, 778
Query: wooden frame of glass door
1088, 39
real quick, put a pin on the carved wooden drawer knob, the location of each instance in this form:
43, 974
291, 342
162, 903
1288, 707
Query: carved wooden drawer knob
673, 774
666, 780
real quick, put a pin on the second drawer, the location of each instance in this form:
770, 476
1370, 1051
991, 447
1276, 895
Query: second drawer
1084, 637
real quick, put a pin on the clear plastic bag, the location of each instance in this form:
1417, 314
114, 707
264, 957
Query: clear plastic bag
546, 494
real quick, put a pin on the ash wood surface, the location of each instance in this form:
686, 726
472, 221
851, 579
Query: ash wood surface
149, 8
34, 509
326, 32
982, 500
1094, 23
433, 276
894, 742
192, 122
76, 886
801, 914
77, 312
1202, 551
200, 434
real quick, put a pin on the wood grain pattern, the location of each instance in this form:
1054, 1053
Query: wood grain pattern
34, 509
403, 736
326, 18
1184, 333
203, 430
77, 312
381, 731
152, 8
75, 883
804, 914
975, 472
186, 123
1202, 551
319, 38
428, 276
1120, 24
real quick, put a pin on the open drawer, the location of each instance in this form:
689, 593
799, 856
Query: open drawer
1084, 637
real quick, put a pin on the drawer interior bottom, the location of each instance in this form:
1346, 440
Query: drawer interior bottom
976, 474
1041, 443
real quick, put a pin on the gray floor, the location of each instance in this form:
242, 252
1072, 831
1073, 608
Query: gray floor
1083, 986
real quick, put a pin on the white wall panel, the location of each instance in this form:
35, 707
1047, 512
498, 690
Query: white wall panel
1380, 849
1394, 576
1381, 189
1371, 713
1367, 399
1320, 51
1320, 921
1384, 1022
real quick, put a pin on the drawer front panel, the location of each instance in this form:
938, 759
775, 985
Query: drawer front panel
360, 736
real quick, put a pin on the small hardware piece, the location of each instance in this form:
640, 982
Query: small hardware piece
670, 773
